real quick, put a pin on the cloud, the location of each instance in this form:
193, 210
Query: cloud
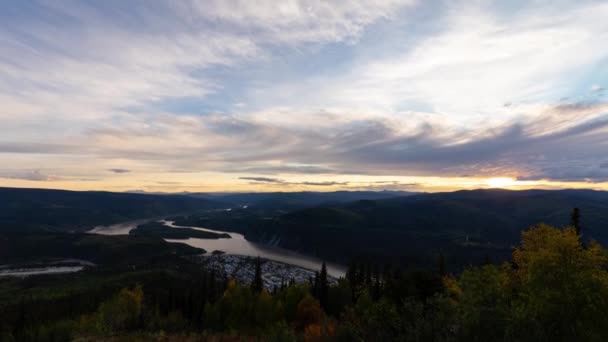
168, 183
472, 60
284, 182
285, 169
30, 175
264, 179
327, 183
569, 136
119, 170
295, 21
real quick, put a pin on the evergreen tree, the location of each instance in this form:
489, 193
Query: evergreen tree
487, 260
360, 274
19, 327
315, 286
575, 220
351, 273
258, 284
442, 267
376, 289
211, 292
323, 287
368, 275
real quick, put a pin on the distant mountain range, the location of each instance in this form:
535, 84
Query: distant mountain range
297, 200
60, 210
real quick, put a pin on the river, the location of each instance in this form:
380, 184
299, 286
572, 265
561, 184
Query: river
237, 245
26, 272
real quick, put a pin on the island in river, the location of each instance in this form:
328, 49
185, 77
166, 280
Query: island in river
159, 228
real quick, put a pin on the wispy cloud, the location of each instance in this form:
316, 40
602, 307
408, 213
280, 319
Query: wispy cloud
263, 179
284, 182
119, 170
29, 175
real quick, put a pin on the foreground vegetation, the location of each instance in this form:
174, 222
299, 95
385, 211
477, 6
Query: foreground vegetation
555, 288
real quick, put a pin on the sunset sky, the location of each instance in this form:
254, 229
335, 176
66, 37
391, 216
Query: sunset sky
168, 96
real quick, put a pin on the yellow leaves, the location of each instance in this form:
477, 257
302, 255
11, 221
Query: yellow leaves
546, 244
132, 298
452, 289
309, 312
552, 255
121, 312
556, 287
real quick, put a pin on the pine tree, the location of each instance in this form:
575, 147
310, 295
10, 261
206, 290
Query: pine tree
212, 288
19, 326
315, 286
442, 268
377, 285
323, 287
360, 274
487, 260
368, 275
257, 284
351, 273
575, 220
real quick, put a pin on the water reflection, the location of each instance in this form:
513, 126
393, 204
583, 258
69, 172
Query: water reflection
238, 245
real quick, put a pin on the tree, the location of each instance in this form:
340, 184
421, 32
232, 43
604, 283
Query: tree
575, 220
368, 274
376, 291
122, 313
308, 312
442, 268
19, 326
257, 284
290, 297
557, 292
340, 297
323, 287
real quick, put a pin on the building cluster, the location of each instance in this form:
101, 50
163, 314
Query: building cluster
242, 268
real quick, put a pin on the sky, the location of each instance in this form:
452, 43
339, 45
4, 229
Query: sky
172, 96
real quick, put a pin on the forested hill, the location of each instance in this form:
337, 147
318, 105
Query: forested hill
488, 215
469, 225
59, 210
297, 200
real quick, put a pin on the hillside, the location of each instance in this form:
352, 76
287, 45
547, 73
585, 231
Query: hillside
468, 226
59, 210
489, 215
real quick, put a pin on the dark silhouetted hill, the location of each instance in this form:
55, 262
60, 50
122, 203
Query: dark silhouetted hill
59, 210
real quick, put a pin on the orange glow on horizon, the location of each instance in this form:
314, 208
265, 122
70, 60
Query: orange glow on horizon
501, 182
217, 182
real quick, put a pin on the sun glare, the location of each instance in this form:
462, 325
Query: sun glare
500, 182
